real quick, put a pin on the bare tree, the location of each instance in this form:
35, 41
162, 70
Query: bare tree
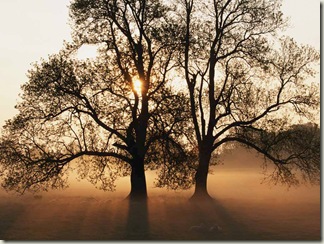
240, 75
108, 115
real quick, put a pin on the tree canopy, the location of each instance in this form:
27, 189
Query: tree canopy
123, 111
241, 74
112, 115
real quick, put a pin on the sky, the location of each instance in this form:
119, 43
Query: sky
30, 30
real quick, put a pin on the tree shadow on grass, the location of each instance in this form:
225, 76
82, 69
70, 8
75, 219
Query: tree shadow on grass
213, 221
137, 225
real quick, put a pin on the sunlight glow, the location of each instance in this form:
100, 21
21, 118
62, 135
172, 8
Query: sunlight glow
87, 52
137, 86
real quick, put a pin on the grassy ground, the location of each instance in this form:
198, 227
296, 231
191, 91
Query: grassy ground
161, 218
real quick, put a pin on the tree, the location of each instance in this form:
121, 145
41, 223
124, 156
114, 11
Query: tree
295, 151
240, 75
111, 115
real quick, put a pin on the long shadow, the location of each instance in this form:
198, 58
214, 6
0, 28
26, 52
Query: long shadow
218, 222
137, 225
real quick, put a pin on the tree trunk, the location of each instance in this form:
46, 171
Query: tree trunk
138, 181
201, 177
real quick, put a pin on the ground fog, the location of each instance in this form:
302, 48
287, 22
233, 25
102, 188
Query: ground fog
243, 209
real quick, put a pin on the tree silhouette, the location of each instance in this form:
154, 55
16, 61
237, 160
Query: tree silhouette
92, 112
295, 151
121, 113
242, 76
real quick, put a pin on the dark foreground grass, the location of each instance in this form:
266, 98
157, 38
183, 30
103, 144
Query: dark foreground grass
162, 217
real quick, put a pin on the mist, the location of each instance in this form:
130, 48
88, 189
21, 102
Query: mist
244, 209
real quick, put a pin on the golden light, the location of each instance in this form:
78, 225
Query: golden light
137, 86
87, 51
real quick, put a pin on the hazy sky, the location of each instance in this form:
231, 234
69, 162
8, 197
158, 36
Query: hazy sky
33, 29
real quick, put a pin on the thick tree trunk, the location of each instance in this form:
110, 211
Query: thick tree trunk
138, 181
201, 177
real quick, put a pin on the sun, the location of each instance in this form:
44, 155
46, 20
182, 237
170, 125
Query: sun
137, 86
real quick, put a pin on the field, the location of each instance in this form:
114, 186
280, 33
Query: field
243, 209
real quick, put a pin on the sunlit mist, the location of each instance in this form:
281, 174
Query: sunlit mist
83, 212
137, 85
